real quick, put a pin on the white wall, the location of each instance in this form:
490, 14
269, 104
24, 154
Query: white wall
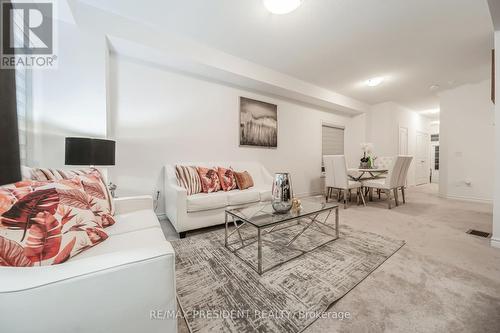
434, 128
467, 149
160, 117
355, 134
382, 129
495, 239
69, 100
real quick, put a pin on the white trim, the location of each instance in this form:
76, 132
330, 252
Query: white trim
308, 194
469, 199
333, 125
495, 242
161, 216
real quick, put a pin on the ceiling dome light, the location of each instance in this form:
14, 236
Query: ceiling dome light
282, 6
373, 82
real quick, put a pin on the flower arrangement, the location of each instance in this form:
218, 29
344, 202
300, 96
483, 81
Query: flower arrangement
366, 160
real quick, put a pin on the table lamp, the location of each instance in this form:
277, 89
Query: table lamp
91, 152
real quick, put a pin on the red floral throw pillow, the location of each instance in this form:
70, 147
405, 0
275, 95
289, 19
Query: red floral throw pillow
209, 179
92, 181
102, 202
46, 223
226, 177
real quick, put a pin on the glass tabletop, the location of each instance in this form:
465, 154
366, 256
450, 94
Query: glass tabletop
368, 170
263, 215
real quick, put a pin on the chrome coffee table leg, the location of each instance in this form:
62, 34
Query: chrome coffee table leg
337, 221
259, 251
225, 223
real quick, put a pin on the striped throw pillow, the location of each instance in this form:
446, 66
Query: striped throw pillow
187, 177
43, 174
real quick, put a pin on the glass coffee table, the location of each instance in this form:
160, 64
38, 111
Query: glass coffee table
258, 229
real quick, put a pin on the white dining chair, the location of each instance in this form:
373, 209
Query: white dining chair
383, 162
396, 180
336, 178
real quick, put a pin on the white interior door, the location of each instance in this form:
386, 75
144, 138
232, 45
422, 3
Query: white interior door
403, 141
422, 171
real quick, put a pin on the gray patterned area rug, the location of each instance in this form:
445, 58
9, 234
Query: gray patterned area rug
219, 292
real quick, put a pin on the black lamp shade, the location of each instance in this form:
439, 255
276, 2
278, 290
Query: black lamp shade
10, 165
88, 151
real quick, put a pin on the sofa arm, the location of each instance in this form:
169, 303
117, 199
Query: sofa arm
176, 205
109, 285
15, 279
131, 204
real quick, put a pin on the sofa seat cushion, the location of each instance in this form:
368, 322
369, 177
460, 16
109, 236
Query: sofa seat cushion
206, 201
240, 197
133, 221
128, 242
265, 194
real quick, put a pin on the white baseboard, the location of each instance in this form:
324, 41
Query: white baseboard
161, 216
308, 194
469, 199
495, 242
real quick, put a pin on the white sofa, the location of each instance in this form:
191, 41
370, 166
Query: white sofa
112, 287
207, 209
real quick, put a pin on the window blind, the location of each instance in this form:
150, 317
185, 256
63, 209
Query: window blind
333, 140
23, 93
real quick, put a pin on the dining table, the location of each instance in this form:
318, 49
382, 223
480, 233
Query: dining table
359, 174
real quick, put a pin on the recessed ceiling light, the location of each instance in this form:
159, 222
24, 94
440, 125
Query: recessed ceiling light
282, 6
434, 87
373, 82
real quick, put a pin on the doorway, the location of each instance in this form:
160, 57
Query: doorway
422, 170
434, 158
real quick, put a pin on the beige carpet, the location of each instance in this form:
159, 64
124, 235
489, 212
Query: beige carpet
442, 280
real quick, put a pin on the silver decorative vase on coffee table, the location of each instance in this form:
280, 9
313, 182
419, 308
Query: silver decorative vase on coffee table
282, 193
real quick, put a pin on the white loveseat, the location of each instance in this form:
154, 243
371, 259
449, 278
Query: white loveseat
207, 209
112, 287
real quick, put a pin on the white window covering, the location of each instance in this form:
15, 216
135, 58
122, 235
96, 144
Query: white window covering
23, 95
333, 140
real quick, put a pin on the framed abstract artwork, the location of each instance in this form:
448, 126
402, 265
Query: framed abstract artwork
258, 123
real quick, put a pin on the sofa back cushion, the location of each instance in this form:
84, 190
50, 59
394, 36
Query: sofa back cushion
188, 177
243, 180
46, 223
209, 179
226, 178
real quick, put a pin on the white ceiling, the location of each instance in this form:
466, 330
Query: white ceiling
338, 44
